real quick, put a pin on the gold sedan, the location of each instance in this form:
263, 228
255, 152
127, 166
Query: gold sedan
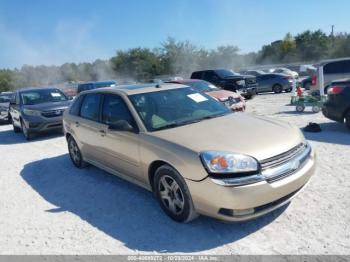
197, 156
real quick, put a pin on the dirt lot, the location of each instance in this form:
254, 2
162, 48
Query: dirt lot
49, 207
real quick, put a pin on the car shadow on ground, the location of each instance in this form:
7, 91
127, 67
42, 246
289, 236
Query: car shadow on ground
332, 132
8, 137
127, 212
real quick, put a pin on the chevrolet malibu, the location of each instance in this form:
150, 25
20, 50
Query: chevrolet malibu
190, 150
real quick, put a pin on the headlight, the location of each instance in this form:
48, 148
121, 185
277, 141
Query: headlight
29, 112
240, 82
224, 162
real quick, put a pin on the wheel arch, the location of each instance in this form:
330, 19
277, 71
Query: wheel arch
153, 168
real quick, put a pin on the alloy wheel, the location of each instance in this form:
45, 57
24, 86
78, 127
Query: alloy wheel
74, 152
171, 194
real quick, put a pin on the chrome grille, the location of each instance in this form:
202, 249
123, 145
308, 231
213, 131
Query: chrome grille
285, 164
53, 113
282, 158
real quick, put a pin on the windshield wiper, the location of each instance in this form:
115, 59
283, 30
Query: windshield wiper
170, 125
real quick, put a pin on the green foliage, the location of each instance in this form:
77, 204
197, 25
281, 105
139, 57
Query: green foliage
6, 80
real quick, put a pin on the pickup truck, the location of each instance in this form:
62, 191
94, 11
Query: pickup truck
229, 80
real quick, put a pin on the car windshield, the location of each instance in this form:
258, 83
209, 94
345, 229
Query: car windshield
202, 86
175, 107
34, 97
223, 73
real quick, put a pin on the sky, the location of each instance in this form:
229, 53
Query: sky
48, 32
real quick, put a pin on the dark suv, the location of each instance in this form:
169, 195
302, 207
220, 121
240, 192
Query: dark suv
35, 110
337, 106
229, 80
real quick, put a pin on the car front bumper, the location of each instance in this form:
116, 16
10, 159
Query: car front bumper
240, 203
40, 124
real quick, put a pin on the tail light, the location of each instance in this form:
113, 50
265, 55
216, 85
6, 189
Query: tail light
334, 90
314, 80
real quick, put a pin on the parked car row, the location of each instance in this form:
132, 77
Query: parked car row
181, 140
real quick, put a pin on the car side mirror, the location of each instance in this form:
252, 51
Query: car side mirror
121, 125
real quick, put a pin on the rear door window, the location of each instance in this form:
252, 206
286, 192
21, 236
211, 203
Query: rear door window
90, 108
210, 76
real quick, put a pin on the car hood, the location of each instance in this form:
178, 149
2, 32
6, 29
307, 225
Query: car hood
256, 136
223, 95
49, 106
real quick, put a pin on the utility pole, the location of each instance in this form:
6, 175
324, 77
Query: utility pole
332, 33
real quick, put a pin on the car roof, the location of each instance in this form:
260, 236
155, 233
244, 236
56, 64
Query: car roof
98, 82
138, 88
184, 81
323, 62
35, 88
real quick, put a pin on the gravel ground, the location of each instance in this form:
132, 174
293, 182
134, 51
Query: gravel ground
49, 207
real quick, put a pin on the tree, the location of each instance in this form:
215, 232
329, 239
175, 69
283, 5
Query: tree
6, 83
312, 46
138, 63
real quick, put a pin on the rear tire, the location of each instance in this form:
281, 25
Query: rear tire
347, 119
277, 89
173, 195
75, 153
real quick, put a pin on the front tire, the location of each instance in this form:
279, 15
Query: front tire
75, 153
27, 134
16, 129
173, 195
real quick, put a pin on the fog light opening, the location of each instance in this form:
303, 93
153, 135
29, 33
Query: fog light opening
243, 212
